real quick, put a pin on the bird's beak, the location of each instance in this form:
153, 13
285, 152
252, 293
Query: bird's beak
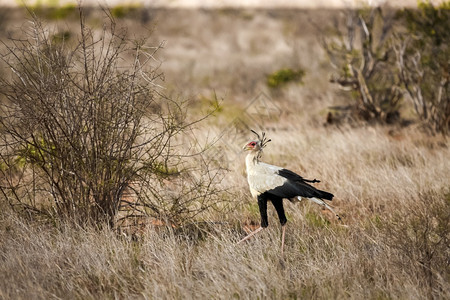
246, 147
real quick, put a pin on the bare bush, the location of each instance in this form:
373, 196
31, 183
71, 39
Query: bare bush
83, 121
361, 56
382, 56
422, 53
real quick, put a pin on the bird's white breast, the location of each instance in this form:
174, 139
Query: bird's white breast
262, 177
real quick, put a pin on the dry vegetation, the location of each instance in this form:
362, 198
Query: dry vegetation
391, 185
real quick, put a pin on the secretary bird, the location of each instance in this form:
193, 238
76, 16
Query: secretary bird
268, 182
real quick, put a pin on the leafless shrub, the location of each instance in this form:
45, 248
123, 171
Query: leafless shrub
361, 57
422, 52
383, 55
83, 121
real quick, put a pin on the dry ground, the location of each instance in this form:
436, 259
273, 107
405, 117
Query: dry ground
391, 185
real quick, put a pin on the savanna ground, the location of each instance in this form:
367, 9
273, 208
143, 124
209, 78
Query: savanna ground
391, 183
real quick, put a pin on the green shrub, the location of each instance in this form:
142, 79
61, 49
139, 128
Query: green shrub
123, 11
51, 10
282, 77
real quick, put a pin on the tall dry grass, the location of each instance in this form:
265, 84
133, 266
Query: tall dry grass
392, 192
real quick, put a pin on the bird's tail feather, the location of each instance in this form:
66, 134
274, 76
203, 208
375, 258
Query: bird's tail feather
322, 203
325, 195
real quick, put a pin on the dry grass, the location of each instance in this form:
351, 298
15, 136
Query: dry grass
392, 193
391, 186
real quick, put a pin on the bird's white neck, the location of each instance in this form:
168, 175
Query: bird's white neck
251, 159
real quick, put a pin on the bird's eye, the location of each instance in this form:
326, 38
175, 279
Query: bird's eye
253, 143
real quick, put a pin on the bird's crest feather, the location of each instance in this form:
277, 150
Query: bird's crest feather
262, 141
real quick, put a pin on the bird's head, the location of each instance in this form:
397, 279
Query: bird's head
253, 146
258, 145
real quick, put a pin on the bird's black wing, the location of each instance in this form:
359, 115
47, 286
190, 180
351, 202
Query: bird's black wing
295, 185
288, 174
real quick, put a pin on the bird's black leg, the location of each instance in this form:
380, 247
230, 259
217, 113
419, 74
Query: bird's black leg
278, 203
262, 203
